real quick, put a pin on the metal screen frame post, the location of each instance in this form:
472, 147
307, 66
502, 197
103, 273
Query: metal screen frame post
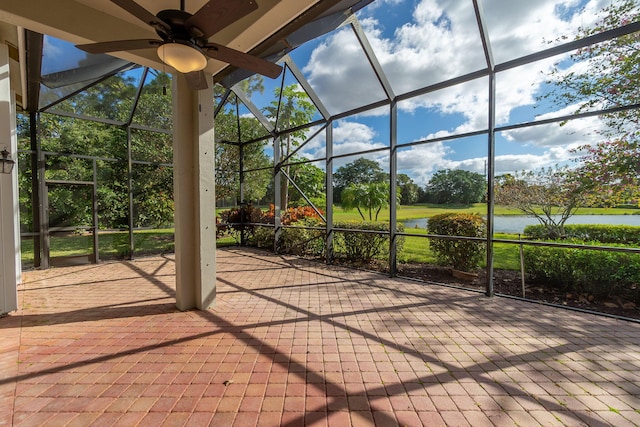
277, 193
36, 218
132, 245
491, 139
45, 240
329, 193
94, 208
393, 189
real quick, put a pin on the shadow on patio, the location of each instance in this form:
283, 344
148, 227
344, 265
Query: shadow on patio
293, 342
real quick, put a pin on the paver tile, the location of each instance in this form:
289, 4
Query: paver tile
298, 342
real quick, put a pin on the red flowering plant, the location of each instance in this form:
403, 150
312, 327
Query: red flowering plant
291, 215
245, 218
236, 220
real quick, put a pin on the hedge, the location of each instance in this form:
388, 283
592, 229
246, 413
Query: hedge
464, 255
363, 247
623, 234
303, 241
293, 240
594, 272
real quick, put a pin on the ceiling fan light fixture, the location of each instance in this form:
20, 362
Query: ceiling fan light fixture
183, 57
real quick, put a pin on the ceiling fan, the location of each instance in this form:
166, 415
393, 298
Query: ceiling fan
184, 43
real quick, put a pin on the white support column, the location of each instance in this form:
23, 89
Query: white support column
194, 195
10, 264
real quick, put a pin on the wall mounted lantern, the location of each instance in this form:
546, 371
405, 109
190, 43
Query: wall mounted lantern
6, 164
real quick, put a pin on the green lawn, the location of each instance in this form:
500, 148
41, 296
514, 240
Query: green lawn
428, 210
410, 212
416, 250
114, 245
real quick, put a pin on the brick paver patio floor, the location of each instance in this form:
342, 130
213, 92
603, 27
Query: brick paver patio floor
292, 343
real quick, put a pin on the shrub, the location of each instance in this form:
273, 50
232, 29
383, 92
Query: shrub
221, 229
296, 240
464, 255
594, 272
290, 216
262, 237
245, 218
236, 220
603, 233
363, 247
293, 239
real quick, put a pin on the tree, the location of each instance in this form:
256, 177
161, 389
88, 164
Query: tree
409, 191
360, 171
449, 186
155, 109
310, 179
607, 77
152, 184
370, 197
610, 173
293, 108
228, 159
549, 195
82, 137
111, 99
233, 131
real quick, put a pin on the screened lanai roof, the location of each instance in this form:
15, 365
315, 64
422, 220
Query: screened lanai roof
56, 69
432, 60
430, 82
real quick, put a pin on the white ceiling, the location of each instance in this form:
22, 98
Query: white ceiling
86, 21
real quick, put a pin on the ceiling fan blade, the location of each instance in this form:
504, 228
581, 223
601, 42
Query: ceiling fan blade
119, 45
142, 14
217, 14
197, 80
243, 60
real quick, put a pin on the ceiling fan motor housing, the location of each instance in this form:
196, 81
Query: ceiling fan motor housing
179, 31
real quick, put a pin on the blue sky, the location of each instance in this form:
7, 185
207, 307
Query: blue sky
420, 42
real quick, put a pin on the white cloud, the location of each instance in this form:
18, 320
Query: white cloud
559, 141
51, 47
347, 131
423, 165
340, 73
433, 47
421, 162
383, 3
439, 41
348, 137
510, 163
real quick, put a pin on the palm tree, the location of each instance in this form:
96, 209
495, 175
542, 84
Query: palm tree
372, 196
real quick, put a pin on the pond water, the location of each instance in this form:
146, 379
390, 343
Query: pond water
517, 223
